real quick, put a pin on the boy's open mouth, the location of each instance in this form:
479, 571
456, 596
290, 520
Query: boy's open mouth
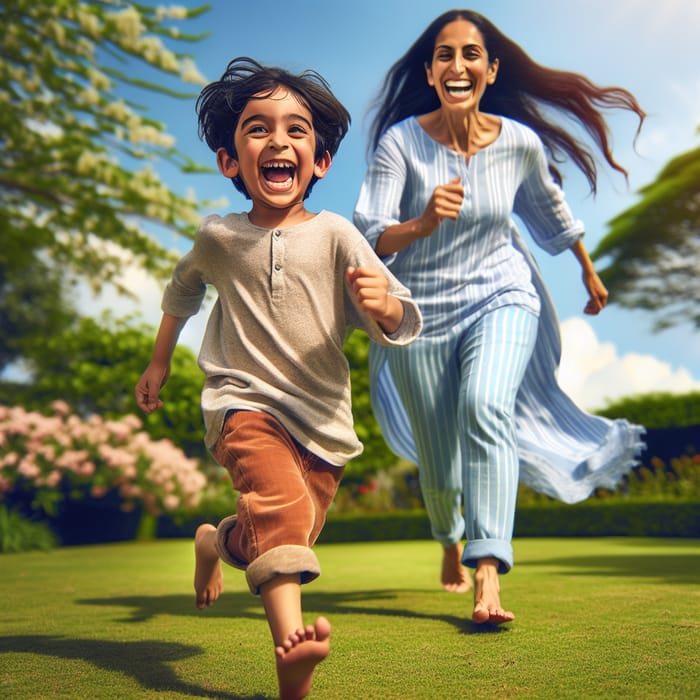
278, 172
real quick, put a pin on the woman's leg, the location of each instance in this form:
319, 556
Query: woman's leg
426, 378
493, 358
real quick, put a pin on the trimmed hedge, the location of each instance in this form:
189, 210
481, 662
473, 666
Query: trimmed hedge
589, 519
637, 518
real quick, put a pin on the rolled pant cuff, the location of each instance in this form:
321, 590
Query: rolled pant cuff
482, 549
287, 559
224, 527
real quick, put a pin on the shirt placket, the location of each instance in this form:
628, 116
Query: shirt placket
277, 265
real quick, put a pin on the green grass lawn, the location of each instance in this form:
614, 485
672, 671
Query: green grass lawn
596, 618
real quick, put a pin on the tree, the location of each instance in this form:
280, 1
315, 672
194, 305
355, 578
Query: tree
32, 306
654, 247
77, 182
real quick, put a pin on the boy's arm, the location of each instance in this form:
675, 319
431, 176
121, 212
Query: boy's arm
158, 370
371, 289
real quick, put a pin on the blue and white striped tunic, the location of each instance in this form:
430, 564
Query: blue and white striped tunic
477, 263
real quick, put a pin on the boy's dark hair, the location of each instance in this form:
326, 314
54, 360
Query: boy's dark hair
221, 103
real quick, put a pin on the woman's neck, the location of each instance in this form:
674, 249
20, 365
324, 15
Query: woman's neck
466, 133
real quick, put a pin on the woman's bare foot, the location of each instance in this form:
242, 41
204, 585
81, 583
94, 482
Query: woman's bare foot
455, 576
298, 656
208, 576
487, 600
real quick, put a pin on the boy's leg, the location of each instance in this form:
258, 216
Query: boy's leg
285, 492
298, 648
208, 577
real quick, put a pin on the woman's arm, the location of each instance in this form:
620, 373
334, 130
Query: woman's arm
445, 203
597, 293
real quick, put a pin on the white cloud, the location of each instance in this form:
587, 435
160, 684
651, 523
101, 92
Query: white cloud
594, 375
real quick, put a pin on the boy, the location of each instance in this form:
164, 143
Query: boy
276, 400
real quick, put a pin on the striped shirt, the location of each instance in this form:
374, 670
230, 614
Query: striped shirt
470, 263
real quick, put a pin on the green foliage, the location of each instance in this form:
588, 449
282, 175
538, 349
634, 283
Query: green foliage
69, 138
19, 534
593, 518
614, 517
654, 245
657, 410
95, 365
679, 479
376, 454
32, 304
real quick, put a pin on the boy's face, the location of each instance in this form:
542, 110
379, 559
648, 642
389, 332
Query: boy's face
275, 142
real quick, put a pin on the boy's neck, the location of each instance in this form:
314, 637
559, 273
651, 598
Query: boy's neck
271, 217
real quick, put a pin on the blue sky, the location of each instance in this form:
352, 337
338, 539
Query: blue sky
646, 46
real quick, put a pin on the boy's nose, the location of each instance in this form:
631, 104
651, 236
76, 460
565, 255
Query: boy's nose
276, 143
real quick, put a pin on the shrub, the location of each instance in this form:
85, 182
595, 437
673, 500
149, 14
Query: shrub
60, 457
19, 534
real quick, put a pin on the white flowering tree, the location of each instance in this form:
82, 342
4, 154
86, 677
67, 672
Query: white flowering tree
78, 177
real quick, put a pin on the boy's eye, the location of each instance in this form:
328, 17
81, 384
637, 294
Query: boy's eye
257, 129
297, 129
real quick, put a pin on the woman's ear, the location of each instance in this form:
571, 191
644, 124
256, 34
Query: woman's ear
492, 72
322, 165
429, 75
228, 165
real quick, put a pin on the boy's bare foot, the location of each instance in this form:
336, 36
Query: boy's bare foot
299, 655
455, 576
208, 576
487, 600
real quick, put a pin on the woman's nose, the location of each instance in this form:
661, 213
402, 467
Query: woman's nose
458, 63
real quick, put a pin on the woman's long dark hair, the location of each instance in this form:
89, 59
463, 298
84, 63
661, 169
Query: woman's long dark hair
521, 91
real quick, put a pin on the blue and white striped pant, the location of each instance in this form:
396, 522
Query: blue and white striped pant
459, 395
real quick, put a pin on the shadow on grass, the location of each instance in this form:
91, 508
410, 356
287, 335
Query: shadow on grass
146, 662
385, 603
681, 569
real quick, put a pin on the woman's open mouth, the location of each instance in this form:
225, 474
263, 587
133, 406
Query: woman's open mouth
458, 88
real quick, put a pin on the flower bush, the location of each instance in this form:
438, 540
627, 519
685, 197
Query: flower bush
52, 459
385, 490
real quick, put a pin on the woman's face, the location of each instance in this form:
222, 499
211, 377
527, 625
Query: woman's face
460, 70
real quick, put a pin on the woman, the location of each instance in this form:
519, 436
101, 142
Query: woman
459, 147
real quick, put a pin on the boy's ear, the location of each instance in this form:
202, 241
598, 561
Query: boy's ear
322, 165
228, 165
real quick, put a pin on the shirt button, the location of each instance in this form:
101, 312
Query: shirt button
278, 267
